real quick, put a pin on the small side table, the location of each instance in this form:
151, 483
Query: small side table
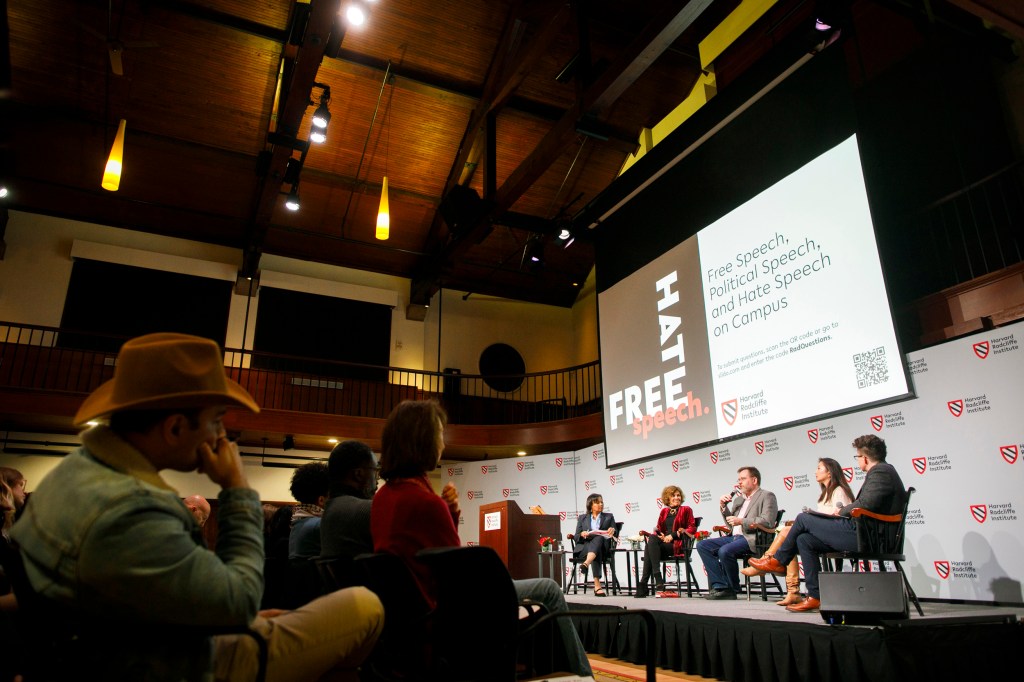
635, 554
554, 565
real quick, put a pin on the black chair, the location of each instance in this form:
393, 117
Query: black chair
879, 538
763, 538
575, 579
58, 643
500, 641
682, 557
404, 649
337, 573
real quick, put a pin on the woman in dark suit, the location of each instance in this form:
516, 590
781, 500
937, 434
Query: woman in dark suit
592, 533
675, 522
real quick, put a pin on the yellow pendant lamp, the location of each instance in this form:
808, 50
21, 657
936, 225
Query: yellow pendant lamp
112, 172
383, 215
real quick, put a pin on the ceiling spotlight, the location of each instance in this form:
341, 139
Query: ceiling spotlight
289, 442
355, 14
317, 135
322, 115
3, 191
292, 202
534, 253
566, 237
822, 25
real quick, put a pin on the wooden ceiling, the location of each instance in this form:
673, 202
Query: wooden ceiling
219, 94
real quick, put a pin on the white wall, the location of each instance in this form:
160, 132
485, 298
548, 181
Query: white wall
34, 278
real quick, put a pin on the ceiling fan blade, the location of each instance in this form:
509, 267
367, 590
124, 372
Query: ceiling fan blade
91, 31
115, 59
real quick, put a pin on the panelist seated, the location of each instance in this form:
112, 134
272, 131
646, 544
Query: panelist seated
813, 535
407, 515
675, 522
835, 494
593, 531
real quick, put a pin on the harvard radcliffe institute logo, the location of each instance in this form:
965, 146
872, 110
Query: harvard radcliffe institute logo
981, 349
877, 422
451, 471
955, 407
629, 507
675, 466
759, 447
812, 435
558, 462
505, 492
1009, 453
979, 512
483, 469
612, 479
714, 456
788, 482
729, 409
642, 474
695, 496
848, 474
470, 494
543, 490
520, 465
562, 515
942, 569
920, 464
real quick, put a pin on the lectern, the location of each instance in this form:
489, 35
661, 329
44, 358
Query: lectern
513, 535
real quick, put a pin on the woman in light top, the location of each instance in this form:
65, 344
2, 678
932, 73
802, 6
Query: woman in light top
595, 532
835, 494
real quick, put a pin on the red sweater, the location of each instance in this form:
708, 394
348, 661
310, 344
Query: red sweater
684, 521
407, 516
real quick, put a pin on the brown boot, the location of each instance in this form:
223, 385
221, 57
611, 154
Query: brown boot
792, 591
752, 572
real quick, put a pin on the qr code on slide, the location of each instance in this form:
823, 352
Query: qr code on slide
871, 367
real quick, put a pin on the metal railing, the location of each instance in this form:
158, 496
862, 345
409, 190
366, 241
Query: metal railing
67, 361
974, 231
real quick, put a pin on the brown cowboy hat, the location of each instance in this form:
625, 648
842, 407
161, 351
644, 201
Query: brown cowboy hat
159, 371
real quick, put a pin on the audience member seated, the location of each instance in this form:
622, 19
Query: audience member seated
277, 590
345, 526
310, 483
812, 535
591, 537
835, 494
108, 540
199, 508
754, 506
407, 515
675, 522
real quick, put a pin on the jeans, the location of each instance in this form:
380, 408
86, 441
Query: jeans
547, 592
720, 556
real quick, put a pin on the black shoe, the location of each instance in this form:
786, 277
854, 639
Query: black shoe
721, 594
641, 592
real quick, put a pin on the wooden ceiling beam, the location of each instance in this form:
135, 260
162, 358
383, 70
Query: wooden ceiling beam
657, 36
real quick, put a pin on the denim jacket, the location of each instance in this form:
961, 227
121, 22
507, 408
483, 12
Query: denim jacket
106, 536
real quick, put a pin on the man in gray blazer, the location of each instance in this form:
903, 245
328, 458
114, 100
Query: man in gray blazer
813, 535
753, 506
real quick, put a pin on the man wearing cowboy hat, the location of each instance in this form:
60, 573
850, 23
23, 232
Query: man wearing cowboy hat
109, 540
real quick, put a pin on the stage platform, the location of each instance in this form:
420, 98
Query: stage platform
757, 641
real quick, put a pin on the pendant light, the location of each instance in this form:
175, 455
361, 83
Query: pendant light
112, 172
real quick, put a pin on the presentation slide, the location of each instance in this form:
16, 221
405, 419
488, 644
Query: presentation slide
775, 313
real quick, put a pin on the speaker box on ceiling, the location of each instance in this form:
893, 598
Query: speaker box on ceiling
862, 598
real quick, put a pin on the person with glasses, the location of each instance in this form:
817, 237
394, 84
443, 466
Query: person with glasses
345, 526
753, 506
813, 535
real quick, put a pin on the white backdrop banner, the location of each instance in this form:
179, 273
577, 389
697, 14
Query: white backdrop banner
960, 443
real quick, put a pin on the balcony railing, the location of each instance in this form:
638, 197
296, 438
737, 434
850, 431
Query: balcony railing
67, 361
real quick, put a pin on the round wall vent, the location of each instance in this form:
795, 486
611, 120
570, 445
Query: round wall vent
502, 367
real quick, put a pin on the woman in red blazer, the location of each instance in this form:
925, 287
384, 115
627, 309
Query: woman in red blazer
675, 522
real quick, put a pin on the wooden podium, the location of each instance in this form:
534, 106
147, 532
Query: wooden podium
513, 535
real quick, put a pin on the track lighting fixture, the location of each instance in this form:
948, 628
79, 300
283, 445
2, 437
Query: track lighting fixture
566, 237
289, 442
292, 202
534, 253
322, 115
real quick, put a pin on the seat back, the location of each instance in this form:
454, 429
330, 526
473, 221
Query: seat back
763, 539
687, 543
404, 647
477, 615
882, 537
